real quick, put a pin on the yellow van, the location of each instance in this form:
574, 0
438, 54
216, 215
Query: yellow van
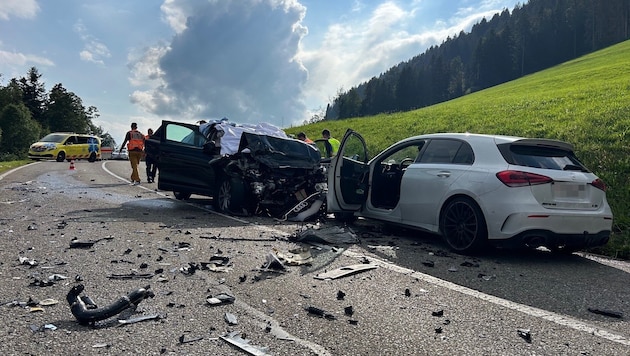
62, 146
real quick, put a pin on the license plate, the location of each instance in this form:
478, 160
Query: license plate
569, 191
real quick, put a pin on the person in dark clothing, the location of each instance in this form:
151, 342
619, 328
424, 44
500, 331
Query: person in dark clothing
150, 160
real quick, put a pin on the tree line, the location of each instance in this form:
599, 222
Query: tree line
28, 112
535, 36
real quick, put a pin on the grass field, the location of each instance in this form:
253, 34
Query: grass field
7, 166
585, 102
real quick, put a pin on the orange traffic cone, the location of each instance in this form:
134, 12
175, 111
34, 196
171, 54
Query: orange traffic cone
72, 165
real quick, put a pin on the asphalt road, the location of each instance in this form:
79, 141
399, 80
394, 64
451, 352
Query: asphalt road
419, 299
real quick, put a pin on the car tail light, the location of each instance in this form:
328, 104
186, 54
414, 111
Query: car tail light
522, 179
599, 184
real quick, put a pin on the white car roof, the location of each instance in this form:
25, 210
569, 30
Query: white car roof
498, 139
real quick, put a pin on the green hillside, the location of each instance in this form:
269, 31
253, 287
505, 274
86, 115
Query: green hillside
585, 102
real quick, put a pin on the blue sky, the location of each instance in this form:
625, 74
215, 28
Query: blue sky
276, 61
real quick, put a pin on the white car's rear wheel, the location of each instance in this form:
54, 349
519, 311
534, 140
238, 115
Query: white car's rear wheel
463, 226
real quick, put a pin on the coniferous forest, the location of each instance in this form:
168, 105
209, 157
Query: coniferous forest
532, 37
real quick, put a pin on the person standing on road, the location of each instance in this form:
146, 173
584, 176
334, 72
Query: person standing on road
135, 147
149, 160
302, 137
331, 143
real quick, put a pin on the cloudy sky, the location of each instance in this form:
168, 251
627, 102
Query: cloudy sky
276, 61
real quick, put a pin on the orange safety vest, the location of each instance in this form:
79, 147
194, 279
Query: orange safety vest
136, 141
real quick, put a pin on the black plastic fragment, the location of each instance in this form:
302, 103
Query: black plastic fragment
609, 313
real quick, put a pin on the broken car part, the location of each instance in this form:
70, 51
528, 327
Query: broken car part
87, 316
243, 344
345, 271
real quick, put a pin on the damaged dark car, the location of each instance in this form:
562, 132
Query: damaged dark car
246, 169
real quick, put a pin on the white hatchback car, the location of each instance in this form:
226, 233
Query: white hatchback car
473, 189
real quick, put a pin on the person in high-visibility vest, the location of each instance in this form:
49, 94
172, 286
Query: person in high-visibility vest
135, 148
331, 143
150, 160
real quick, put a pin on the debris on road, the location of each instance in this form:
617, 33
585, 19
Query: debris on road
27, 261
182, 339
331, 235
231, 319
86, 316
76, 243
320, 312
272, 262
345, 271
132, 275
220, 299
525, 334
296, 257
234, 339
604, 312
438, 313
139, 319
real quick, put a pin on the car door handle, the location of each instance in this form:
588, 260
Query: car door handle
444, 174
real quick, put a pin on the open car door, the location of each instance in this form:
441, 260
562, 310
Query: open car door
348, 175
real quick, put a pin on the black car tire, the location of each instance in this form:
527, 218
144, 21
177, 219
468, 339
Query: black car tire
181, 195
92, 157
463, 225
230, 198
61, 156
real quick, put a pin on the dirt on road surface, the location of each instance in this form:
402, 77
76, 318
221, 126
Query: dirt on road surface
233, 285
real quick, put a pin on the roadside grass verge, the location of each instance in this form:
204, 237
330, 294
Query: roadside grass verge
9, 165
585, 102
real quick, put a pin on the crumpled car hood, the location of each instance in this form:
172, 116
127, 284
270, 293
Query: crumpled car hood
276, 152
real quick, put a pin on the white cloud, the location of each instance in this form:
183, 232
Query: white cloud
93, 50
19, 59
231, 58
26, 9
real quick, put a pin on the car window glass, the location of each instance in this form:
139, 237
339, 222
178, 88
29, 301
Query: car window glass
71, 140
82, 139
464, 155
354, 149
405, 153
184, 135
440, 151
544, 157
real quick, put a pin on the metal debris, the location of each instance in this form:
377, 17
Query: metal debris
243, 344
345, 271
139, 319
